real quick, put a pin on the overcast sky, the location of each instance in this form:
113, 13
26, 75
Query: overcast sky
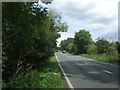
100, 17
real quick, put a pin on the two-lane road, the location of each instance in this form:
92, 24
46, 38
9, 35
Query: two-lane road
88, 73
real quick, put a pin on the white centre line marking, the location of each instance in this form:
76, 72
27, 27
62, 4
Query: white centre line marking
93, 72
107, 71
86, 63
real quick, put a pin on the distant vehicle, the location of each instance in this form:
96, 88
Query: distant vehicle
56, 50
64, 51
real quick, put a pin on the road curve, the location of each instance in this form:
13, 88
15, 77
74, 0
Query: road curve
88, 73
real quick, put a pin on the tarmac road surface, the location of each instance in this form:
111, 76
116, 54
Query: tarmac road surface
87, 73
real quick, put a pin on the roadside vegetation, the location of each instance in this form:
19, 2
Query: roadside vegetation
102, 57
47, 77
30, 32
82, 44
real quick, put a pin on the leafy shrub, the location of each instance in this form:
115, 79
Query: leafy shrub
47, 77
102, 45
92, 49
35, 79
112, 51
29, 36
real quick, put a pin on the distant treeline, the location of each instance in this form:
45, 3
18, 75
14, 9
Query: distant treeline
82, 43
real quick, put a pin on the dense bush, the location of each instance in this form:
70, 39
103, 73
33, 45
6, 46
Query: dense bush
29, 36
48, 77
102, 45
66, 44
92, 49
71, 48
82, 40
112, 50
34, 79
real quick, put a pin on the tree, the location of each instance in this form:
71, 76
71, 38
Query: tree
82, 40
29, 36
71, 48
92, 49
118, 46
102, 45
118, 50
58, 24
65, 43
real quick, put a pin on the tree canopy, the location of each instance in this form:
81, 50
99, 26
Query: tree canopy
66, 44
82, 40
29, 36
102, 45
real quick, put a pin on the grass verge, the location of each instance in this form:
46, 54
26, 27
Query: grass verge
48, 77
102, 57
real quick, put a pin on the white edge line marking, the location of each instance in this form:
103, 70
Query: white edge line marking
68, 81
107, 71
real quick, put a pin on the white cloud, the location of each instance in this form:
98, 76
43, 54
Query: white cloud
100, 17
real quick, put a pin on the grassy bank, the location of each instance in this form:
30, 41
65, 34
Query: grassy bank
47, 77
102, 57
